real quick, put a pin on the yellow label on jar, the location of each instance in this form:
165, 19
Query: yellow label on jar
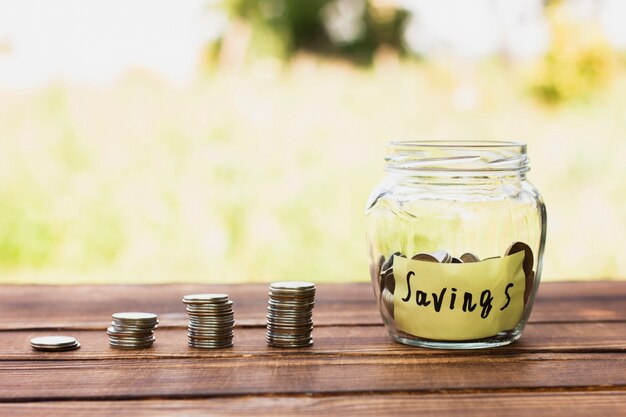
458, 301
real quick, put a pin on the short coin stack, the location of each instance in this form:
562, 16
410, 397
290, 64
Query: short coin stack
211, 321
54, 343
290, 314
132, 330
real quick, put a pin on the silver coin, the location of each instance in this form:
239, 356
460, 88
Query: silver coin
209, 339
288, 335
140, 327
205, 298
125, 331
528, 261
209, 346
387, 299
290, 325
297, 307
135, 316
210, 329
210, 307
211, 326
130, 347
294, 326
280, 317
290, 302
212, 321
212, 340
53, 341
131, 341
287, 330
298, 328
127, 341
57, 349
283, 323
278, 344
292, 285
132, 338
442, 256
212, 318
469, 257
206, 333
426, 257
209, 342
291, 299
289, 313
287, 306
217, 313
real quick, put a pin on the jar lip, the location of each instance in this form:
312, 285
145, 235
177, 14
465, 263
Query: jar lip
472, 157
458, 143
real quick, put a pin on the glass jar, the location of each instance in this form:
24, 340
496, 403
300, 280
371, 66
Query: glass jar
456, 235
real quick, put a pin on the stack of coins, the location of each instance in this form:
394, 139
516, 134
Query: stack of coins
54, 343
290, 314
211, 321
132, 330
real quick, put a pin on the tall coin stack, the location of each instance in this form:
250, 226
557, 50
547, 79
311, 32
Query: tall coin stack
211, 321
132, 330
290, 314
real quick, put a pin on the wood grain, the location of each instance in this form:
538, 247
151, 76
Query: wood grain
305, 374
329, 340
570, 361
88, 307
566, 404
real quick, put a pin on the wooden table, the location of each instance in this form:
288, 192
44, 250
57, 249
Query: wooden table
570, 361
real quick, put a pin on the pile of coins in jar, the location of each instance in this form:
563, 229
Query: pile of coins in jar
211, 322
387, 282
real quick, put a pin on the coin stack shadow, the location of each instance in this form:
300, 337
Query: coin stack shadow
211, 321
132, 330
290, 314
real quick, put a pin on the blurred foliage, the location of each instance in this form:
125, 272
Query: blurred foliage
579, 61
264, 176
353, 29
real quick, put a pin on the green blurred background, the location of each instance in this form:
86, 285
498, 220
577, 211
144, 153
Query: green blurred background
237, 141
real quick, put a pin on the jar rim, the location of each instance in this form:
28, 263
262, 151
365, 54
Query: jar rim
472, 157
458, 143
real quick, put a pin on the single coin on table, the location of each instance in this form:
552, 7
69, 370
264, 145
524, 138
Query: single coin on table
54, 343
